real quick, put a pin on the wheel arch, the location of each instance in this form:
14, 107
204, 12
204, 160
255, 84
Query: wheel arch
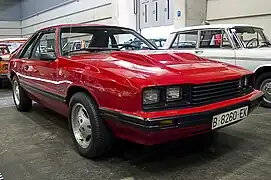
262, 69
77, 88
11, 75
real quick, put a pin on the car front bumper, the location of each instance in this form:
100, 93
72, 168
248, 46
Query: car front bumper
151, 131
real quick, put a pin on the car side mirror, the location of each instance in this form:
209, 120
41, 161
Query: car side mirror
47, 57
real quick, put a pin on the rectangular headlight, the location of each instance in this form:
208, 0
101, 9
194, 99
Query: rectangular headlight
151, 96
174, 93
247, 81
241, 83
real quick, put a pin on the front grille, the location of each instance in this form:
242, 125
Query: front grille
203, 94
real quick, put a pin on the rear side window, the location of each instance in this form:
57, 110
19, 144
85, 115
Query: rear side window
185, 40
214, 39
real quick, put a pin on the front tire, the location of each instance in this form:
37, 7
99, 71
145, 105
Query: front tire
21, 100
90, 134
263, 83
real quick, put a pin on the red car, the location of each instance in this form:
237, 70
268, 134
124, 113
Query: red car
127, 90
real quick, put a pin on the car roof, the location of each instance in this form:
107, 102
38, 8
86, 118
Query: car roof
81, 25
13, 39
213, 26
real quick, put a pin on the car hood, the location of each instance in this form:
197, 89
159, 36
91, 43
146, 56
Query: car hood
160, 67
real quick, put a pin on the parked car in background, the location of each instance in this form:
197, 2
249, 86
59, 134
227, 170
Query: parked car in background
4, 56
13, 43
242, 45
143, 94
159, 42
7, 47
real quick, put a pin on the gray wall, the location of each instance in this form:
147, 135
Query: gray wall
15, 10
10, 29
240, 12
10, 10
195, 12
33, 7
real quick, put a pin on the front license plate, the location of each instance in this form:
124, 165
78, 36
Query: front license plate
229, 117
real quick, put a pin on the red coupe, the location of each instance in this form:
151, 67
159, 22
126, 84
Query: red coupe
121, 86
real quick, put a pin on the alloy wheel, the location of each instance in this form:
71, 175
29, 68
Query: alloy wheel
81, 126
266, 88
16, 92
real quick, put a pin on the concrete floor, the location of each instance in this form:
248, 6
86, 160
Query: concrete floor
37, 146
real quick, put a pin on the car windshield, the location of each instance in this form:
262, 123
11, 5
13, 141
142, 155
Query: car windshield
250, 37
100, 38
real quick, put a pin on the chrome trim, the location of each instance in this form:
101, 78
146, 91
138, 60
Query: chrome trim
241, 58
237, 39
233, 44
120, 113
261, 94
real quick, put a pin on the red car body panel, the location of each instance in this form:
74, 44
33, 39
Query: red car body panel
116, 79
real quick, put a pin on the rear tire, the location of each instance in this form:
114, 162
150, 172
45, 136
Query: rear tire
21, 100
263, 83
90, 133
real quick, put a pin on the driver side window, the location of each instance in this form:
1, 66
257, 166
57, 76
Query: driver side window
44, 48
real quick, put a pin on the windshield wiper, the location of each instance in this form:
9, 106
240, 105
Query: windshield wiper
92, 49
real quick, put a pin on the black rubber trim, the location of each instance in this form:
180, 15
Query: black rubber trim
179, 121
43, 92
4, 76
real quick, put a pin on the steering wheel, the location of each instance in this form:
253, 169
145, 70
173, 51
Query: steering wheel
250, 42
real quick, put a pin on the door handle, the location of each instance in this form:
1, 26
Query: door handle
198, 52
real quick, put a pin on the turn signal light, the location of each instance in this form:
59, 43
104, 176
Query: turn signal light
166, 123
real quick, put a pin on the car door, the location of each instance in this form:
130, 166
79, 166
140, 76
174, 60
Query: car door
42, 64
250, 57
216, 45
185, 41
